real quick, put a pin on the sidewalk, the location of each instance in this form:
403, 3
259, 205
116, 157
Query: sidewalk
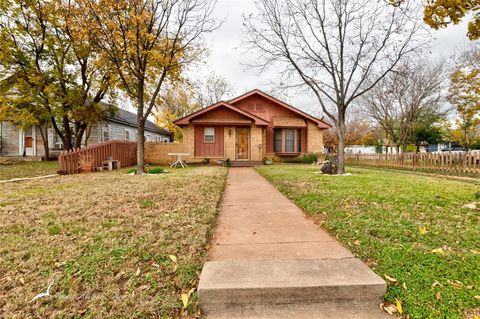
268, 260
257, 222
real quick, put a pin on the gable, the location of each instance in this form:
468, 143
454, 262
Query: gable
264, 108
267, 107
222, 114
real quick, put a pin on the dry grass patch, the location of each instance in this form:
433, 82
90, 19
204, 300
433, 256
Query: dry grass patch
9, 170
115, 245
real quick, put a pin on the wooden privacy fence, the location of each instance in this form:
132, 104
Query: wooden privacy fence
455, 163
123, 151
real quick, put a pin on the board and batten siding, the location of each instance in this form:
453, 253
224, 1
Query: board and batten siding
215, 149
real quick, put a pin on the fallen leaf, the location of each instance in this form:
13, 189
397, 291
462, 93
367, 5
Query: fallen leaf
388, 308
173, 258
137, 272
456, 284
391, 279
476, 297
423, 230
436, 283
398, 306
437, 251
22, 281
404, 285
185, 300
357, 242
438, 295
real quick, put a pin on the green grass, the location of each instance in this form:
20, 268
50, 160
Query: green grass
11, 170
105, 240
411, 228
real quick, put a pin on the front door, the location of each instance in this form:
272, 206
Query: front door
243, 137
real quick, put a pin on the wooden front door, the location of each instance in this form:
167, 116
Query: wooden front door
243, 138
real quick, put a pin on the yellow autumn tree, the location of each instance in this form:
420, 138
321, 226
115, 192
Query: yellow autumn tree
150, 43
464, 94
441, 13
51, 73
175, 103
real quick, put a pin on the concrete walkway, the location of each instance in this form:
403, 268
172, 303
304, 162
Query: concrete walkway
268, 260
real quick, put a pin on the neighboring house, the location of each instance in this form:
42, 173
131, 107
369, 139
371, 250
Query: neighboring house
360, 149
251, 127
120, 125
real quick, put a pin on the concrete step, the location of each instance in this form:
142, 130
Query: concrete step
245, 163
258, 288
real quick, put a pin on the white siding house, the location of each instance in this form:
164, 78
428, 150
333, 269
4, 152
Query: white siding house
120, 125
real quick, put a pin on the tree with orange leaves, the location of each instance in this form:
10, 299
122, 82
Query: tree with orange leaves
150, 43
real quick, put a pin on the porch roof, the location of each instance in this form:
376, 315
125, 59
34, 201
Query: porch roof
284, 121
249, 117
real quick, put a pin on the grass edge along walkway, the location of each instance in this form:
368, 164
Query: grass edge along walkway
411, 230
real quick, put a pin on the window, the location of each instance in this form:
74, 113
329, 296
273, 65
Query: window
289, 140
259, 108
127, 135
278, 140
299, 140
149, 138
209, 135
106, 133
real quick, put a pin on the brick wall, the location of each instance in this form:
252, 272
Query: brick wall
314, 138
256, 138
229, 136
157, 152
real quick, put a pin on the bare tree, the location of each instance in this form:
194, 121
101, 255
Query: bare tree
149, 42
357, 130
405, 98
334, 47
213, 89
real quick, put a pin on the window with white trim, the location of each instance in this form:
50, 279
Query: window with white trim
106, 133
209, 135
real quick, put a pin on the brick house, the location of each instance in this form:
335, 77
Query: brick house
118, 125
250, 127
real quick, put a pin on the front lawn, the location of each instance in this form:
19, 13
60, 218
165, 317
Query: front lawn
410, 228
9, 170
114, 245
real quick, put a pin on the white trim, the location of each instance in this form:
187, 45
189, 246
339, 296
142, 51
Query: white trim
205, 135
21, 142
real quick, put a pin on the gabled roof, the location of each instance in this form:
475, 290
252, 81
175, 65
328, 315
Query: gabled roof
187, 119
125, 117
320, 123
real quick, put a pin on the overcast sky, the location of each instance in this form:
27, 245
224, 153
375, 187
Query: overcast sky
227, 58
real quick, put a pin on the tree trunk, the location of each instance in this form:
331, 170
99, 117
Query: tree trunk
45, 139
341, 148
67, 134
140, 127
79, 136
140, 144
